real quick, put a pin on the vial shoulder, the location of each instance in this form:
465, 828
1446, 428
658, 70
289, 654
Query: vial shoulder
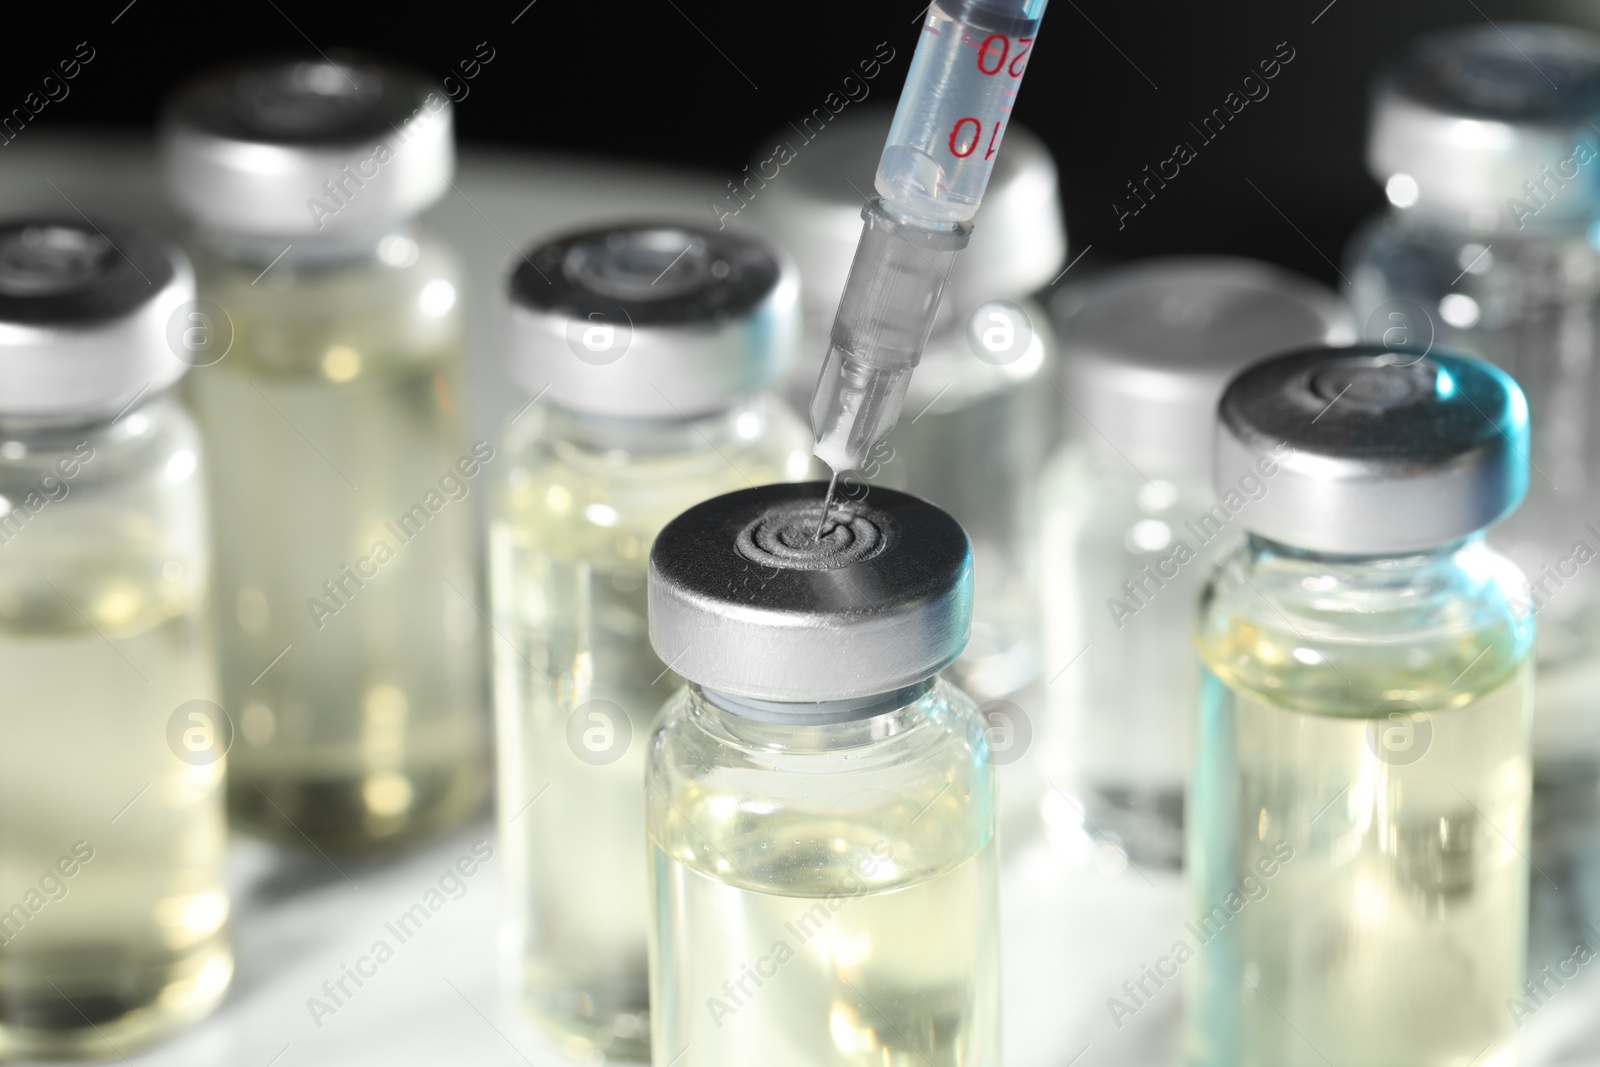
1348, 638
571, 489
106, 525
344, 322
773, 809
156, 440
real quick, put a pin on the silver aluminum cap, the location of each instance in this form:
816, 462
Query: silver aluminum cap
812, 208
307, 147
1147, 349
1466, 117
1371, 451
744, 601
651, 320
90, 317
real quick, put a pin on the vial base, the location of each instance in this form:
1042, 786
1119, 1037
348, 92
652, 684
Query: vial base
355, 813
1145, 823
101, 1001
1566, 847
859, 975
1358, 896
589, 1017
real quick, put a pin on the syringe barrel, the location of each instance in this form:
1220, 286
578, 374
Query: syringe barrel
955, 106
885, 316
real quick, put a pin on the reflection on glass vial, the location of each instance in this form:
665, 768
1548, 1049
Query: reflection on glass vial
820, 808
350, 644
113, 909
587, 477
1358, 820
1131, 526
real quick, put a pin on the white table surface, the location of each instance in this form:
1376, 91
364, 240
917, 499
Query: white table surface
1077, 921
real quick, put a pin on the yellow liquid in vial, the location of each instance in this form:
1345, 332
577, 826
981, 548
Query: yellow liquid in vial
133, 942
834, 958
346, 580
1394, 934
570, 545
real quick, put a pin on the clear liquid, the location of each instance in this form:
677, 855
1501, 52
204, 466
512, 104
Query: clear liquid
134, 942
1395, 931
570, 546
334, 415
953, 110
850, 964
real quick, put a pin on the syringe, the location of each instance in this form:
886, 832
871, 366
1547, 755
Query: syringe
936, 163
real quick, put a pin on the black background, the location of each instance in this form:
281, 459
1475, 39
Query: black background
1111, 87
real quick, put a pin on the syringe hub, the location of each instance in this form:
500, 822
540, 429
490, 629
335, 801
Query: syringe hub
887, 312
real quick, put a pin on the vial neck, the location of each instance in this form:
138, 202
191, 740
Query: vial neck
302, 252
1263, 546
744, 420
818, 726
821, 713
40, 433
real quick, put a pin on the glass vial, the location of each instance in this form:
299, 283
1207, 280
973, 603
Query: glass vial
113, 909
976, 424
1131, 526
1490, 247
347, 578
645, 351
1359, 807
820, 805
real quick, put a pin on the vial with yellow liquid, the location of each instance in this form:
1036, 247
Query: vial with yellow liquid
113, 909
820, 804
645, 351
1358, 812
347, 589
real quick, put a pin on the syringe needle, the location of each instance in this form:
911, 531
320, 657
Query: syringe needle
827, 503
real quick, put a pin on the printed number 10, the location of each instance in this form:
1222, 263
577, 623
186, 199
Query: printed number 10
964, 141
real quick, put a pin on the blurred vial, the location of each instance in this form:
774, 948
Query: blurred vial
113, 911
976, 423
347, 574
1358, 813
1486, 146
1131, 522
820, 803
1484, 141
645, 351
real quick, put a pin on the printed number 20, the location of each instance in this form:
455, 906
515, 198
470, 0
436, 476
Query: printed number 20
986, 50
